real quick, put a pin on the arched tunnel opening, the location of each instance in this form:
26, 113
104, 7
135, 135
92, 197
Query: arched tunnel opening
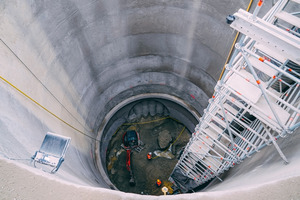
155, 117
81, 69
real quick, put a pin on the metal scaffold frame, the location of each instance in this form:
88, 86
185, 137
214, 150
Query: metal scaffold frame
256, 102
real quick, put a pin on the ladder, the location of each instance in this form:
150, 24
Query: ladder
256, 102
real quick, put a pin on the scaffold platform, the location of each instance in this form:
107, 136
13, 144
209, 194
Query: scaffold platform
256, 101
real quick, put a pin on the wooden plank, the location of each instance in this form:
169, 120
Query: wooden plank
270, 52
230, 109
282, 114
262, 67
296, 1
289, 18
244, 88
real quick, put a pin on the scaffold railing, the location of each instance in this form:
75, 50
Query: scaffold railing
256, 102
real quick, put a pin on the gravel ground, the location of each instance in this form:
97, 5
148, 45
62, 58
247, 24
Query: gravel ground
146, 171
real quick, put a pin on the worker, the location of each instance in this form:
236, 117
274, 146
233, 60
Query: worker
158, 183
149, 156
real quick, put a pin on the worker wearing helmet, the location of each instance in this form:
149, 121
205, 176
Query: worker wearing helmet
149, 156
158, 183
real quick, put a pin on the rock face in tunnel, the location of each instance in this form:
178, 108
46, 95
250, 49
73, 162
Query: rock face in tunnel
81, 59
164, 139
145, 108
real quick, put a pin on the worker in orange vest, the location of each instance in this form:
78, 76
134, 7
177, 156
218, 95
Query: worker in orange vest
149, 156
158, 183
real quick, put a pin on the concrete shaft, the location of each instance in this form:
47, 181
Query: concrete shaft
80, 60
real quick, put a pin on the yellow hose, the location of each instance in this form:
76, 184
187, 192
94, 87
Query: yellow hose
250, 3
155, 120
34, 101
234, 41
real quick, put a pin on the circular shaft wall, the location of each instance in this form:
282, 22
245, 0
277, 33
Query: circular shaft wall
81, 59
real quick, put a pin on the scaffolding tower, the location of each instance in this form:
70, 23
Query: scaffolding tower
255, 102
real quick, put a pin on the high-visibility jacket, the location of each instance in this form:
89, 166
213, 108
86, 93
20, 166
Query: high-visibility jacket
149, 156
158, 182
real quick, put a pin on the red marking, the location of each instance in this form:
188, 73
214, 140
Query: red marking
233, 99
275, 139
209, 166
258, 82
291, 118
221, 158
260, 3
222, 118
200, 147
290, 69
297, 85
269, 117
288, 29
238, 93
207, 137
261, 59
128, 159
248, 148
213, 97
266, 58
233, 163
193, 96
280, 80
234, 149
243, 139
235, 145
247, 80
274, 77
203, 143
211, 173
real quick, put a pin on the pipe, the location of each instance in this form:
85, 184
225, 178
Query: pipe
294, 127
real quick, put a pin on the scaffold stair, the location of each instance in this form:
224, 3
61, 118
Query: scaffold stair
256, 102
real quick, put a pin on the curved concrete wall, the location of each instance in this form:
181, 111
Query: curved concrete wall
80, 59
